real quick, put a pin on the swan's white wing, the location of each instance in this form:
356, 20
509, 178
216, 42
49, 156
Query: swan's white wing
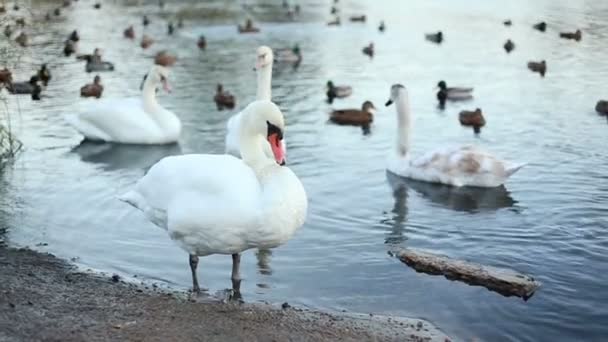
208, 203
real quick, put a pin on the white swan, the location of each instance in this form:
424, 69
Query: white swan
457, 166
263, 68
219, 204
132, 120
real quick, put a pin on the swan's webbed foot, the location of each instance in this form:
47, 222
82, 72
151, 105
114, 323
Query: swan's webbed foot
193, 265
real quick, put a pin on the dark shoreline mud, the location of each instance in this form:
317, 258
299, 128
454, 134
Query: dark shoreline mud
43, 298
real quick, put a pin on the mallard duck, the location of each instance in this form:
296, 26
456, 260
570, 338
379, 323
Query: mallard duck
335, 22
28, 87
358, 18
8, 31
452, 93
602, 107
339, 92
382, 27
248, 28
509, 45
435, 37
74, 36
354, 117
170, 28
223, 99
69, 48
201, 43
146, 41
44, 75
542, 26
129, 32
165, 59
95, 63
539, 67
145, 20
473, 119
22, 39
94, 89
507, 22
572, 35
369, 50
293, 55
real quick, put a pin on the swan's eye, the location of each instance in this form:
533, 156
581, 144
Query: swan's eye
262, 56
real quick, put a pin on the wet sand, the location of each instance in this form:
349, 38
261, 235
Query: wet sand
43, 298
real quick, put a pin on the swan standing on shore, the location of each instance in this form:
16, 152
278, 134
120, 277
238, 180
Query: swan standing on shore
132, 120
219, 204
263, 68
457, 166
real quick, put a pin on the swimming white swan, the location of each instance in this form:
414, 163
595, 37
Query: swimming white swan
263, 68
219, 204
132, 120
457, 166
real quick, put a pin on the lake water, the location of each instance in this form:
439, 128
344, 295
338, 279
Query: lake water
550, 220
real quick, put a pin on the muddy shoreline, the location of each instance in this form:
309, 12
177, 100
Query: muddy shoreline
43, 298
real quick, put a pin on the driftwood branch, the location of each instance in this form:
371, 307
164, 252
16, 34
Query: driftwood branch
504, 281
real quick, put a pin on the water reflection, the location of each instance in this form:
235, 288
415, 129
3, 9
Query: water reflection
120, 156
399, 212
456, 198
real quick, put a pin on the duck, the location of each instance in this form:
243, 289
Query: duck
358, 18
145, 20
94, 62
67, 3
507, 22
572, 35
455, 166
165, 59
334, 10
369, 50
44, 75
69, 48
435, 37
382, 27
30, 87
542, 26
220, 204
129, 32
602, 107
339, 92
97, 5
20, 22
509, 46
57, 11
452, 93
170, 28
201, 43
8, 31
146, 41
264, 58
94, 89
354, 117
141, 120
223, 99
248, 27
335, 22
473, 119
6, 77
539, 67
293, 55
74, 36
22, 39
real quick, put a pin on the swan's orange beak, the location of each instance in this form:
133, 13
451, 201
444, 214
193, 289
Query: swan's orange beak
278, 148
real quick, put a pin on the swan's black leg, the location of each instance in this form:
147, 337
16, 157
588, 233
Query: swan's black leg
193, 265
236, 264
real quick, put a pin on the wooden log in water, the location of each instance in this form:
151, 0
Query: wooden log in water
504, 281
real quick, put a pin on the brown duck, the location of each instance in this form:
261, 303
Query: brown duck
578, 35
223, 99
201, 43
6, 77
354, 117
539, 67
165, 59
146, 41
473, 119
94, 89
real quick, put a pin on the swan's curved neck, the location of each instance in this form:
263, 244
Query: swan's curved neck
149, 97
403, 125
252, 152
264, 83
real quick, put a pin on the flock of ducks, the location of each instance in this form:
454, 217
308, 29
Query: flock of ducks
248, 198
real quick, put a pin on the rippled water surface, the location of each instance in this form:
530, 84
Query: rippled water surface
549, 221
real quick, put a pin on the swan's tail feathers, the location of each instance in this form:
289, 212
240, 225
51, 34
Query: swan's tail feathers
133, 198
511, 169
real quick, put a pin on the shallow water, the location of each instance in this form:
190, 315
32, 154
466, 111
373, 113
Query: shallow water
549, 221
